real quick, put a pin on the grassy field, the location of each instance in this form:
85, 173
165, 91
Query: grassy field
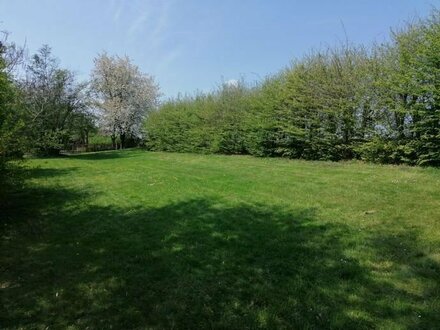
157, 240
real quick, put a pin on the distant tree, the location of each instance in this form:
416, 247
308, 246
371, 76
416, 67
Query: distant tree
406, 90
52, 99
426, 116
12, 54
123, 95
80, 126
380, 103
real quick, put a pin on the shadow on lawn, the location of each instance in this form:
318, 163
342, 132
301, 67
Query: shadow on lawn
195, 264
102, 155
38, 172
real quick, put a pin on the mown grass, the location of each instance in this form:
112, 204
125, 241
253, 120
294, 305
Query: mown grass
157, 240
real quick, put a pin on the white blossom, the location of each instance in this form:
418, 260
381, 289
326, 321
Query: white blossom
123, 96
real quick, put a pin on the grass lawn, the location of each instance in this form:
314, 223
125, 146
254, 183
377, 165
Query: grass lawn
144, 240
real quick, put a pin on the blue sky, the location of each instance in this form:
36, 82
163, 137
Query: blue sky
193, 45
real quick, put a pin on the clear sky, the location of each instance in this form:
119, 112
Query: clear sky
193, 45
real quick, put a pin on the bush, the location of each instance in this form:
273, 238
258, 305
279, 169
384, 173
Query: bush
346, 102
387, 152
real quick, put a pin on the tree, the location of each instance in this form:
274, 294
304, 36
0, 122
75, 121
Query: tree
123, 96
12, 139
407, 89
380, 103
52, 99
11, 53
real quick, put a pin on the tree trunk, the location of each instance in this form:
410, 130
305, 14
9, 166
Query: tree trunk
122, 137
114, 142
399, 120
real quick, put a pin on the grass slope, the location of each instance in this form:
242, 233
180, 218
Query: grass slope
157, 240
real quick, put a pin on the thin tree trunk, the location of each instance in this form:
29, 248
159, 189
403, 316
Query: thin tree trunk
122, 137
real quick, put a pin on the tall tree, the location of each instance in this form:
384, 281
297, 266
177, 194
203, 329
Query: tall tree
12, 139
52, 98
124, 96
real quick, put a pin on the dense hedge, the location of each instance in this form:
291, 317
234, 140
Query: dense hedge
12, 141
379, 104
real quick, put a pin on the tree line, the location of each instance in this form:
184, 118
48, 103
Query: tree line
44, 108
378, 103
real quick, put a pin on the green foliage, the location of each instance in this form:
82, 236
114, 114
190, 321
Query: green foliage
11, 123
55, 105
380, 104
96, 138
12, 140
380, 150
204, 123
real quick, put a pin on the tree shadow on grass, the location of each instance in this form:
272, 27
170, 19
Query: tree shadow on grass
27, 205
407, 260
193, 264
102, 155
38, 172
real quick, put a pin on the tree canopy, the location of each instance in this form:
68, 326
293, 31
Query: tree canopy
378, 103
123, 95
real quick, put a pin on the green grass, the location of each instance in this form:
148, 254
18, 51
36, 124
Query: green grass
99, 139
157, 240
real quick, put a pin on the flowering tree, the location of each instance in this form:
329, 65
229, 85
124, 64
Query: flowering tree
123, 96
